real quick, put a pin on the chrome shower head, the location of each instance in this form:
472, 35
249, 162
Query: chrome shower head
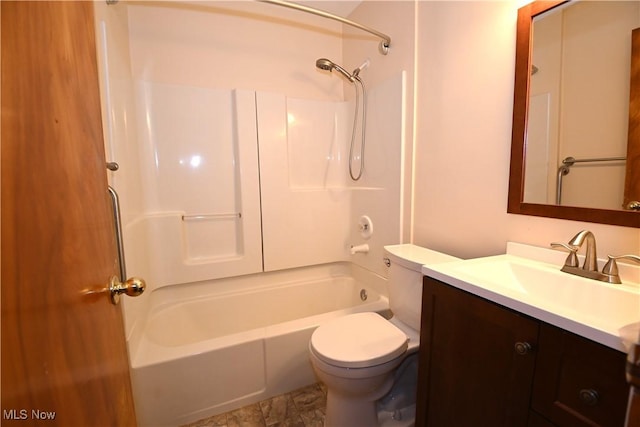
328, 65
324, 64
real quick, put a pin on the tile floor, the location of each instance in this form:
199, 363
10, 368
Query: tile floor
304, 407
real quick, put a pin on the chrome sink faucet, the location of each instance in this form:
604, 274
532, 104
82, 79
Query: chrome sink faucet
590, 267
590, 255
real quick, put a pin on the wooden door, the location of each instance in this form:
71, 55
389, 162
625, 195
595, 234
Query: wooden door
470, 373
632, 175
64, 357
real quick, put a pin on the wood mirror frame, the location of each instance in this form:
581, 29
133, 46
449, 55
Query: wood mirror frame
516, 205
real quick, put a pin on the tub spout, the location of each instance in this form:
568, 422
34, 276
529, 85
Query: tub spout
359, 249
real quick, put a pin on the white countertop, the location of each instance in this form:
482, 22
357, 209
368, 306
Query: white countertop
590, 314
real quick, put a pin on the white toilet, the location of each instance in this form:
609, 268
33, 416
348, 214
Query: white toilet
355, 356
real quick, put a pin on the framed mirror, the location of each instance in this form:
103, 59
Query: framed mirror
575, 149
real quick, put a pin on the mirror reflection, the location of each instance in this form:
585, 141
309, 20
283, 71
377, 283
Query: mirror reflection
578, 113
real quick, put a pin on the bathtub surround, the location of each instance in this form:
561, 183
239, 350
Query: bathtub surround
251, 220
316, 176
191, 230
153, 45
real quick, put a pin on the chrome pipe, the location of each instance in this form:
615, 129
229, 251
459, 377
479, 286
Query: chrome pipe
385, 43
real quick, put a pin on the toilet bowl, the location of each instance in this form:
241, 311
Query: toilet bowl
356, 355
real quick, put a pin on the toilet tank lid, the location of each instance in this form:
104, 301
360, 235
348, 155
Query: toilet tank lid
414, 257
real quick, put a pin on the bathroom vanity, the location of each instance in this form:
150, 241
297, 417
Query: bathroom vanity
495, 350
483, 364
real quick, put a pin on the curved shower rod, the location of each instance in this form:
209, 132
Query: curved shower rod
385, 43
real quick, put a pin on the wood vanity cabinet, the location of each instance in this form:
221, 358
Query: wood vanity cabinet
579, 382
482, 364
469, 372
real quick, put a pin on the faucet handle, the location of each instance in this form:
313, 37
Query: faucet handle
572, 258
611, 267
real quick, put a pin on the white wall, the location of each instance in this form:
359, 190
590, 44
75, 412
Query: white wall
234, 44
464, 81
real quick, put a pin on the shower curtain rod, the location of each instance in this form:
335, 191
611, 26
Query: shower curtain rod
385, 43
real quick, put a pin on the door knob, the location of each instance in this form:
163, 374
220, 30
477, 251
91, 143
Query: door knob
633, 205
131, 287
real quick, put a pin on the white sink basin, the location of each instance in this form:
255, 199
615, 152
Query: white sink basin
593, 309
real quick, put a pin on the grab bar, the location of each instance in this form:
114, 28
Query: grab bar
562, 171
202, 217
115, 203
567, 162
570, 161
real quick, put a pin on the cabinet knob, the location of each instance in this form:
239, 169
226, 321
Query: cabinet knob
523, 348
588, 396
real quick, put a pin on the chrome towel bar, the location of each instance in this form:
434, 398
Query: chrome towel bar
570, 161
204, 217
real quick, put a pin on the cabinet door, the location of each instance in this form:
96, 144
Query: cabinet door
579, 382
470, 372
536, 420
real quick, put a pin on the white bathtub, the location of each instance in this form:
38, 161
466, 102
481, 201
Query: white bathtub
207, 348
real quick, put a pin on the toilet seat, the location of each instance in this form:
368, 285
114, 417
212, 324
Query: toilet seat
358, 341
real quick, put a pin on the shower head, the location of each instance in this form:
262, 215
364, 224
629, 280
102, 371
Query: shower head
324, 64
328, 65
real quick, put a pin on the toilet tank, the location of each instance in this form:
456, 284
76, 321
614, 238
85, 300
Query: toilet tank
405, 279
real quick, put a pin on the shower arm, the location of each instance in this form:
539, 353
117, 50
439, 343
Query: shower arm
385, 43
